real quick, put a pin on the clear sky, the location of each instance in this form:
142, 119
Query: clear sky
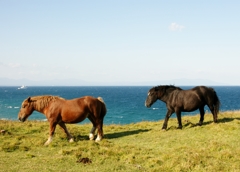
120, 41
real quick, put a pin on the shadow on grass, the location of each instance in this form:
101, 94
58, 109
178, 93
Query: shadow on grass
223, 120
111, 135
124, 133
80, 137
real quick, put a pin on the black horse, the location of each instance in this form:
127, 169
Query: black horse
178, 100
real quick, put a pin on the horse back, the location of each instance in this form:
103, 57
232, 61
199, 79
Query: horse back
204, 91
207, 95
95, 106
86, 103
188, 100
85, 106
76, 110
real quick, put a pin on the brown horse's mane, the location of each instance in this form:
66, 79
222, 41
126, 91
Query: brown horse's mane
40, 102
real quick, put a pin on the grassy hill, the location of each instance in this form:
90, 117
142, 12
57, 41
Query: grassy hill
134, 147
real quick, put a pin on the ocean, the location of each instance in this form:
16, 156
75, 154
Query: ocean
125, 104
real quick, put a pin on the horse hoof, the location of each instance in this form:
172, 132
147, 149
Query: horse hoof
46, 143
164, 129
91, 136
98, 139
3, 131
71, 140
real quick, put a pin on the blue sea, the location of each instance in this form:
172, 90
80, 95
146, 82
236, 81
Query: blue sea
125, 104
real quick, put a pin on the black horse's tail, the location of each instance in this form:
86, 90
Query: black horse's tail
104, 108
216, 103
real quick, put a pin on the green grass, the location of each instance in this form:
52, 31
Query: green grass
134, 147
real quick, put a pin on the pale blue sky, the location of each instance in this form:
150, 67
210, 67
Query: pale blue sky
120, 41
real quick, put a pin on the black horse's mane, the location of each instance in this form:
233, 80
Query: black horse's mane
165, 87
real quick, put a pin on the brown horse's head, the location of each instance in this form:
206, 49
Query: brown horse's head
26, 109
152, 97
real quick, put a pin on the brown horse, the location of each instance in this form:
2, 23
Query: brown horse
178, 100
60, 111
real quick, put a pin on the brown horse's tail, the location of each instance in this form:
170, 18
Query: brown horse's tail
104, 109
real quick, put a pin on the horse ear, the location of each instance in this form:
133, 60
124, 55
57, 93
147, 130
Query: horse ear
156, 89
29, 99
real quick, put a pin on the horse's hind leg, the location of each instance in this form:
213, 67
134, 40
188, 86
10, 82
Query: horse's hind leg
100, 131
201, 109
92, 132
63, 126
213, 113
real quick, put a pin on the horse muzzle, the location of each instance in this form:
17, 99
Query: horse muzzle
147, 105
22, 119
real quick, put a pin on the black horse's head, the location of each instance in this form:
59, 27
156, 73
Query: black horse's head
152, 97
158, 93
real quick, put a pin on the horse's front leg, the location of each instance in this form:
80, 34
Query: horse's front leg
169, 113
52, 128
179, 118
63, 126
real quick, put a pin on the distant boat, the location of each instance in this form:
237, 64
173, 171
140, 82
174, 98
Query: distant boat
22, 87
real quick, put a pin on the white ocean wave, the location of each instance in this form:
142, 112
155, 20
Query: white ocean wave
4, 119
